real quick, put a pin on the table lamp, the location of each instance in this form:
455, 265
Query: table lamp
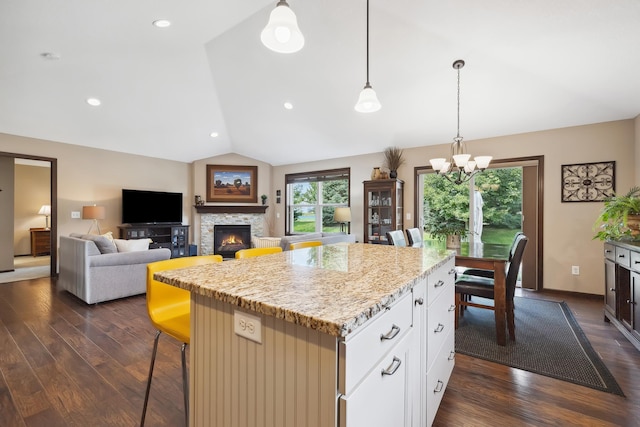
46, 211
343, 216
95, 213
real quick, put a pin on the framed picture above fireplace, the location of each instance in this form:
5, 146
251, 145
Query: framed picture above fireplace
232, 183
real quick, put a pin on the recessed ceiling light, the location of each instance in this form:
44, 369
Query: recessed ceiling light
94, 102
51, 56
162, 23
288, 105
213, 134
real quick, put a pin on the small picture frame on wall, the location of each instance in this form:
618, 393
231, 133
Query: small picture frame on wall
588, 182
231, 183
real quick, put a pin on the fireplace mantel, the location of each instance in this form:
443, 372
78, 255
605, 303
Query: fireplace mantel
217, 209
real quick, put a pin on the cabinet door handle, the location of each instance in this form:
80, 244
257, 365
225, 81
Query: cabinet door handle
452, 355
452, 308
452, 271
439, 387
419, 301
612, 289
631, 302
439, 328
438, 284
395, 330
395, 364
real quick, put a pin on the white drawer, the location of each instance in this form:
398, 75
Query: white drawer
359, 353
440, 321
610, 251
635, 261
438, 376
438, 280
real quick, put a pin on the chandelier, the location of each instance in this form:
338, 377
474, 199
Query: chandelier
459, 168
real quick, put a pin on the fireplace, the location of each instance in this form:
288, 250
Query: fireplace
228, 239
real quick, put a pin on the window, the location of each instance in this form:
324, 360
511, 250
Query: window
312, 197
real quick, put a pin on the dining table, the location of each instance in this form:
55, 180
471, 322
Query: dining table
486, 256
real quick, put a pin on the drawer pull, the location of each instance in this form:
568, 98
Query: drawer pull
452, 271
608, 251
621, 256
452, 355
439, 387
440, 283
439, 328
452, 308
395, 364
419, 301
631, 302
636, 262
395, 330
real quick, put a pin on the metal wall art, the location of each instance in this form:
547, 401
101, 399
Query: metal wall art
588, 182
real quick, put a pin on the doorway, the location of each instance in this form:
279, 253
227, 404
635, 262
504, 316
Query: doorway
9, 226
492, 206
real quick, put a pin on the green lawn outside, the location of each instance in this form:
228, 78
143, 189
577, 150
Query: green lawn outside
310, 227
500, 236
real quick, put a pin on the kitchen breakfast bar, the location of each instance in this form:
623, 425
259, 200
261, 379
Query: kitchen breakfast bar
336, 335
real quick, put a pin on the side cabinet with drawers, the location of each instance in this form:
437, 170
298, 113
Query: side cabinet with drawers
622, 288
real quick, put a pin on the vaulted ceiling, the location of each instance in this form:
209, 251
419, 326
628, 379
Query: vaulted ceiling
529, 66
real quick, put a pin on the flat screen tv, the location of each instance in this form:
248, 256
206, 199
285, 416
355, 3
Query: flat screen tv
151, 207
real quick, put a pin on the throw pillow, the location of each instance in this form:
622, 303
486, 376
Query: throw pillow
105, 246
133, 245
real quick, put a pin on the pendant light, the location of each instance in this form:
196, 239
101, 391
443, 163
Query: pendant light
459, 169
282, 34
368, 100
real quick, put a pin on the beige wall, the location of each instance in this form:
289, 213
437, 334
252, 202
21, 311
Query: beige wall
567, 226
88, 175
33, 189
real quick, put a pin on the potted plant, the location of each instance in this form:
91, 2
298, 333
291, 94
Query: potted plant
264, 199
620, 217
451, 229
393, 160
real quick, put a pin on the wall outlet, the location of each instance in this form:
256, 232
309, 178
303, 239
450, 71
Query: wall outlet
408, 216
75, 214
248, 326
575, 270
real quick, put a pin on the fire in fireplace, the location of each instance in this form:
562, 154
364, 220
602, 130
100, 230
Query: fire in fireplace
228, 239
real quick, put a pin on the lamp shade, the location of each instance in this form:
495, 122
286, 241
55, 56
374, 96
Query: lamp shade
367, 101
93, 212
342, 215
45, 210
282, 34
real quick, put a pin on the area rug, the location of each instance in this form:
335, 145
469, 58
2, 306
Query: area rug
549, 342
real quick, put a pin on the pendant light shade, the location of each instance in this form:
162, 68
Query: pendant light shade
368, 100
282, 34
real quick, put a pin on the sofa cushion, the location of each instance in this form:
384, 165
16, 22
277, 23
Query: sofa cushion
104, 245
132, 245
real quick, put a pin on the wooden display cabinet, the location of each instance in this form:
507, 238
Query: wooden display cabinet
383, 209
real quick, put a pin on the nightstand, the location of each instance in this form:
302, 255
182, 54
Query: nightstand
40, 241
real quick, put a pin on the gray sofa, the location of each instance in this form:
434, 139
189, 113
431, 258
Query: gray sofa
95, 276
325, 238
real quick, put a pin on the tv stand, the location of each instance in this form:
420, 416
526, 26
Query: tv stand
171, 236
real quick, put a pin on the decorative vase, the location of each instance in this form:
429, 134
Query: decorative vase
375, 174
393, 174
453, 241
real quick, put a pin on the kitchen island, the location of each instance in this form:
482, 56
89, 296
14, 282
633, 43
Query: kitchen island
336, 335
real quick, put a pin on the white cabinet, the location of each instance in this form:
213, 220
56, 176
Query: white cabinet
375, 375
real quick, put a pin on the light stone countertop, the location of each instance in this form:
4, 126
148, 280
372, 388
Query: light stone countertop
331, 288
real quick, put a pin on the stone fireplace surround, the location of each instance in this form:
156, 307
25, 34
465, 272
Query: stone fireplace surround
209, 219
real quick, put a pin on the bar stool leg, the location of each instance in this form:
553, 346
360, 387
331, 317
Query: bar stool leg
185, 385
153, 361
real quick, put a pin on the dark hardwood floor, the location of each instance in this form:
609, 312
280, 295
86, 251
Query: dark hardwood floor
63, 363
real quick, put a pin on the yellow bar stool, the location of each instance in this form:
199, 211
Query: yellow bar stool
169, 310
308, 244
252, 252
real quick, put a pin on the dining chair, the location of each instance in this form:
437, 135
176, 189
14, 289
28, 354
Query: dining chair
489, 273
169, 310
396, 238
253, 252
414, 237
484, 287
307, 244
